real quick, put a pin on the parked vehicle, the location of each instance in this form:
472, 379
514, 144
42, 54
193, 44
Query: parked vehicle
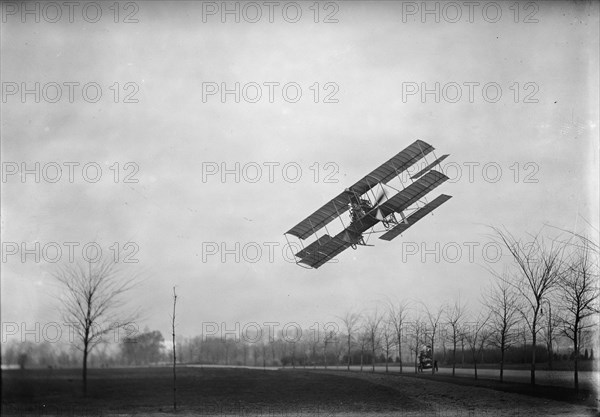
425, 360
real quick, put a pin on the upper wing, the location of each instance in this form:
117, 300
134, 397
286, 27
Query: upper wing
340, 204
415, 217
388, 170
321, 217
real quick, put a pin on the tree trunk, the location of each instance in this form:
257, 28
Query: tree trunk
444, 351
475, 365
576, 351
361, 360
432, 355
416, 362
502, 352
349, 346
400, 348
293, 356
387, 352
454, 355
273, 353
373, 359
533, 345
502, 364
549, 336
85, 357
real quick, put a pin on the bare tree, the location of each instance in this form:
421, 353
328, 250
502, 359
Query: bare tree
550, 329
306, 347
328, 338
363, 341
293, 354
434, 319
373, 323
540, 266
418, 328
388, 337
579, 295
476, 335
523, 333
398, 314
351, 322
502, 302
261, 341
338, 347
313, 342
454, 318
443, 336
92, 300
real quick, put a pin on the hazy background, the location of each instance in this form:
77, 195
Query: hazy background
369, 53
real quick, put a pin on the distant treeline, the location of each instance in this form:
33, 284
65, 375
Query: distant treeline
148, 348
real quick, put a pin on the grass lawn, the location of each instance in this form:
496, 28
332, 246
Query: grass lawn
235, 391
126, 390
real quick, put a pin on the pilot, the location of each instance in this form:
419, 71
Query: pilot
355, 213
365, 205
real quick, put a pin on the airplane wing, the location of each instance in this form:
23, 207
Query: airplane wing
323, 216
413, 192
319, 254
400, 201
428, 167
314, 247
340, 204
415, 217
393, 167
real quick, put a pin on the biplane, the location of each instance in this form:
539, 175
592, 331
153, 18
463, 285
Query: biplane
371, 213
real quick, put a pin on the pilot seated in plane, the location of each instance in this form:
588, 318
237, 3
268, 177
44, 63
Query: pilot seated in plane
360, 209
365, 205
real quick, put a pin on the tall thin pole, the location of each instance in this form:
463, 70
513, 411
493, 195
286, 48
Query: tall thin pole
174, 354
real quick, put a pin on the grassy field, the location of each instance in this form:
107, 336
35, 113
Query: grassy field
148, 391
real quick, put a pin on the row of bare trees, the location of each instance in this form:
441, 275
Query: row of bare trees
387, 332
559, 272
550, 288
548, 291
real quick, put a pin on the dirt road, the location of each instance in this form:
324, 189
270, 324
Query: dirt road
445, 399
587, 380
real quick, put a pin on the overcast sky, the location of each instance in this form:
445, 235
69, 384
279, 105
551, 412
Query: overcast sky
539, 130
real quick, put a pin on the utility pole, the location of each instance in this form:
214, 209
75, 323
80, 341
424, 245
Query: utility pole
174, 354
